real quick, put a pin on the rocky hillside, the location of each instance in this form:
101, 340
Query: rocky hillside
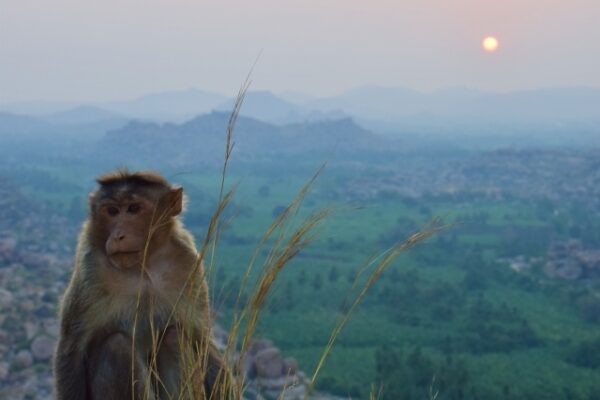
202, 140
30, 288
570, 260
34, 269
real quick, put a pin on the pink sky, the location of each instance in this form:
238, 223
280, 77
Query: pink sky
113, 49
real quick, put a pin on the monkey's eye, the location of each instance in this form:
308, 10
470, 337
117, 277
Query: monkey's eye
112, 211
134, 208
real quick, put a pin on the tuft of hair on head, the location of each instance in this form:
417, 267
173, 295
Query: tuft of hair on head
122, 181
122, 175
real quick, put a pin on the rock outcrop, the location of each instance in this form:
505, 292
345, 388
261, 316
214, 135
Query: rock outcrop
569, 260
29, 329
269, 375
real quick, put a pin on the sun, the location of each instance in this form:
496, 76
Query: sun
490, 44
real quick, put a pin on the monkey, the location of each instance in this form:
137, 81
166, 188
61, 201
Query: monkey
135, 320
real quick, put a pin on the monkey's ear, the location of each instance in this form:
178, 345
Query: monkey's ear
92, 202
176, 201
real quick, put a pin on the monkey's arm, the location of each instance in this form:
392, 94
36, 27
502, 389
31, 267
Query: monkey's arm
70, 373
69, 361
203, 374
219, 382
218, 379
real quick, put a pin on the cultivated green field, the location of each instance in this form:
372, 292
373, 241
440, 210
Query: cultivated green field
449, 316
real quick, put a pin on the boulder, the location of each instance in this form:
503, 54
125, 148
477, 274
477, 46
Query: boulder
564, 269
51, 326
42, 348
220, 336
248, 367
280, 383
259, 345
31, 329
6, 299
3, 370
23, 359
269, 363
290, 366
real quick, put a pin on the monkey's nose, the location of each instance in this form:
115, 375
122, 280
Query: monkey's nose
119, 237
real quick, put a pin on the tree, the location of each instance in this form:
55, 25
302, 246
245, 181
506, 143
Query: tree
317, 282
333, 274
415, 375
302, 277
264, 191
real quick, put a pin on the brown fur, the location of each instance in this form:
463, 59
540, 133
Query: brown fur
135, 304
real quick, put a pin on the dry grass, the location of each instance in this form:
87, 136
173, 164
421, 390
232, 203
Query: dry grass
378, 265
285, 240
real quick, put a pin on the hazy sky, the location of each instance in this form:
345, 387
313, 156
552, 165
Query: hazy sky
113, 49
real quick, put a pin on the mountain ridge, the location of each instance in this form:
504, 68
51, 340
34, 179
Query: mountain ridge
202, 139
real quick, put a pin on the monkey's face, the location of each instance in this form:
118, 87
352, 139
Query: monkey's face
126, 209
126, 223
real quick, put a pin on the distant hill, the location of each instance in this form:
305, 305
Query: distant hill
296, 97
395, 110
334, 135
37, 108
14, 124
202, 140
174, 106
83, 115
81, 121
459, 108
170, 106
266, 106
373, 102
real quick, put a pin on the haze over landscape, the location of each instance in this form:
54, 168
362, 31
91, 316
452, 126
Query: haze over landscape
485, 113
66, 50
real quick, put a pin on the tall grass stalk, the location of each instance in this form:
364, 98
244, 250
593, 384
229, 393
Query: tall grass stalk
286, 239
193, 289
381, 263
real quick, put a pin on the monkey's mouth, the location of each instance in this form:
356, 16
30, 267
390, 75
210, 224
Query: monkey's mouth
126, 259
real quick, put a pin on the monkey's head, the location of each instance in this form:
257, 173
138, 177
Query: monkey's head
126, 208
